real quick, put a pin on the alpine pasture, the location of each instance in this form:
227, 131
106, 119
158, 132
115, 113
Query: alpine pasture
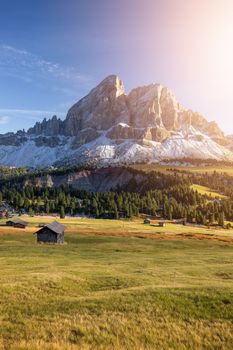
117, 285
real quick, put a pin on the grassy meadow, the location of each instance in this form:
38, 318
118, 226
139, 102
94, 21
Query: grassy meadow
194, 169
124, 228
113, 287
207, 191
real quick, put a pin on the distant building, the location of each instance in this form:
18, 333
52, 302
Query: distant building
16, 222
147, 221
162, 224
3, 214
51, 233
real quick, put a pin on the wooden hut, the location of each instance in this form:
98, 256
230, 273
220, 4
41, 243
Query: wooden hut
16, 222
3, 214
51, 233
162, 224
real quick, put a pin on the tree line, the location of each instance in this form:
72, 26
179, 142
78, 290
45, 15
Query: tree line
169, 196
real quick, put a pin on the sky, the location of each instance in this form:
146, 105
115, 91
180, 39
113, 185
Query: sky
53, 52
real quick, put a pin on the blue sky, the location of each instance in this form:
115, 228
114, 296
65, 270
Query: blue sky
53, 52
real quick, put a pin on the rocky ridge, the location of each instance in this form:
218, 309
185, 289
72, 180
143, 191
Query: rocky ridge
109, 126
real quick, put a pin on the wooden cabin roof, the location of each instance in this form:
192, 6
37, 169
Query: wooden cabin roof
55, 227
18, 221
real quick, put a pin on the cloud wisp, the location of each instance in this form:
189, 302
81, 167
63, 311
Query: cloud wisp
27, 66
4, 120
45, 83
30, 114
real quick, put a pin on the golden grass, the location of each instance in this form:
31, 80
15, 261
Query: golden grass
124, 228
101, 292
195, 169
207, 191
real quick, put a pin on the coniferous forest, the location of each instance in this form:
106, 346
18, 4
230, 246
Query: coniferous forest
169, 196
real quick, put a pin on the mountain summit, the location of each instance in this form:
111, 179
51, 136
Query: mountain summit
109, 126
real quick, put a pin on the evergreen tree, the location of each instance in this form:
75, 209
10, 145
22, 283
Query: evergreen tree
62, 212
221, 219
47, 208
170, 210
30, 211
116, 214
130, 211
0, 198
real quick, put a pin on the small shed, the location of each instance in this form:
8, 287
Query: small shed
51, 233
16, 222
147, 221
162, 224
2, 214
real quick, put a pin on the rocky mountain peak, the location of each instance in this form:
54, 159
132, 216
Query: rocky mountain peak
154, 106
149, 112
108, 126
51, 127
111, 84
99, 109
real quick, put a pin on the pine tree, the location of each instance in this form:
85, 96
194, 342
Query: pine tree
212, 218
116, 214
62, 212
30, 212
170, 211
221, 219
97, 213
130, 211
47, 208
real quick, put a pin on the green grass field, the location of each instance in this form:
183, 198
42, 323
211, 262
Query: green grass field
124, 228
206, 190
112, 292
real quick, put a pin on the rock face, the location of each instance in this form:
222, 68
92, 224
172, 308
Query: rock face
97, 180
52, 127
99, 110
108, 126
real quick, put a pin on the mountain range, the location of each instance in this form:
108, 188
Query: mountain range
111, 127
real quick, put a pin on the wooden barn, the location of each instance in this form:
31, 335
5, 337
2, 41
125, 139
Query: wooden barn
162, 224
3, 214
51, 233
16, 222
